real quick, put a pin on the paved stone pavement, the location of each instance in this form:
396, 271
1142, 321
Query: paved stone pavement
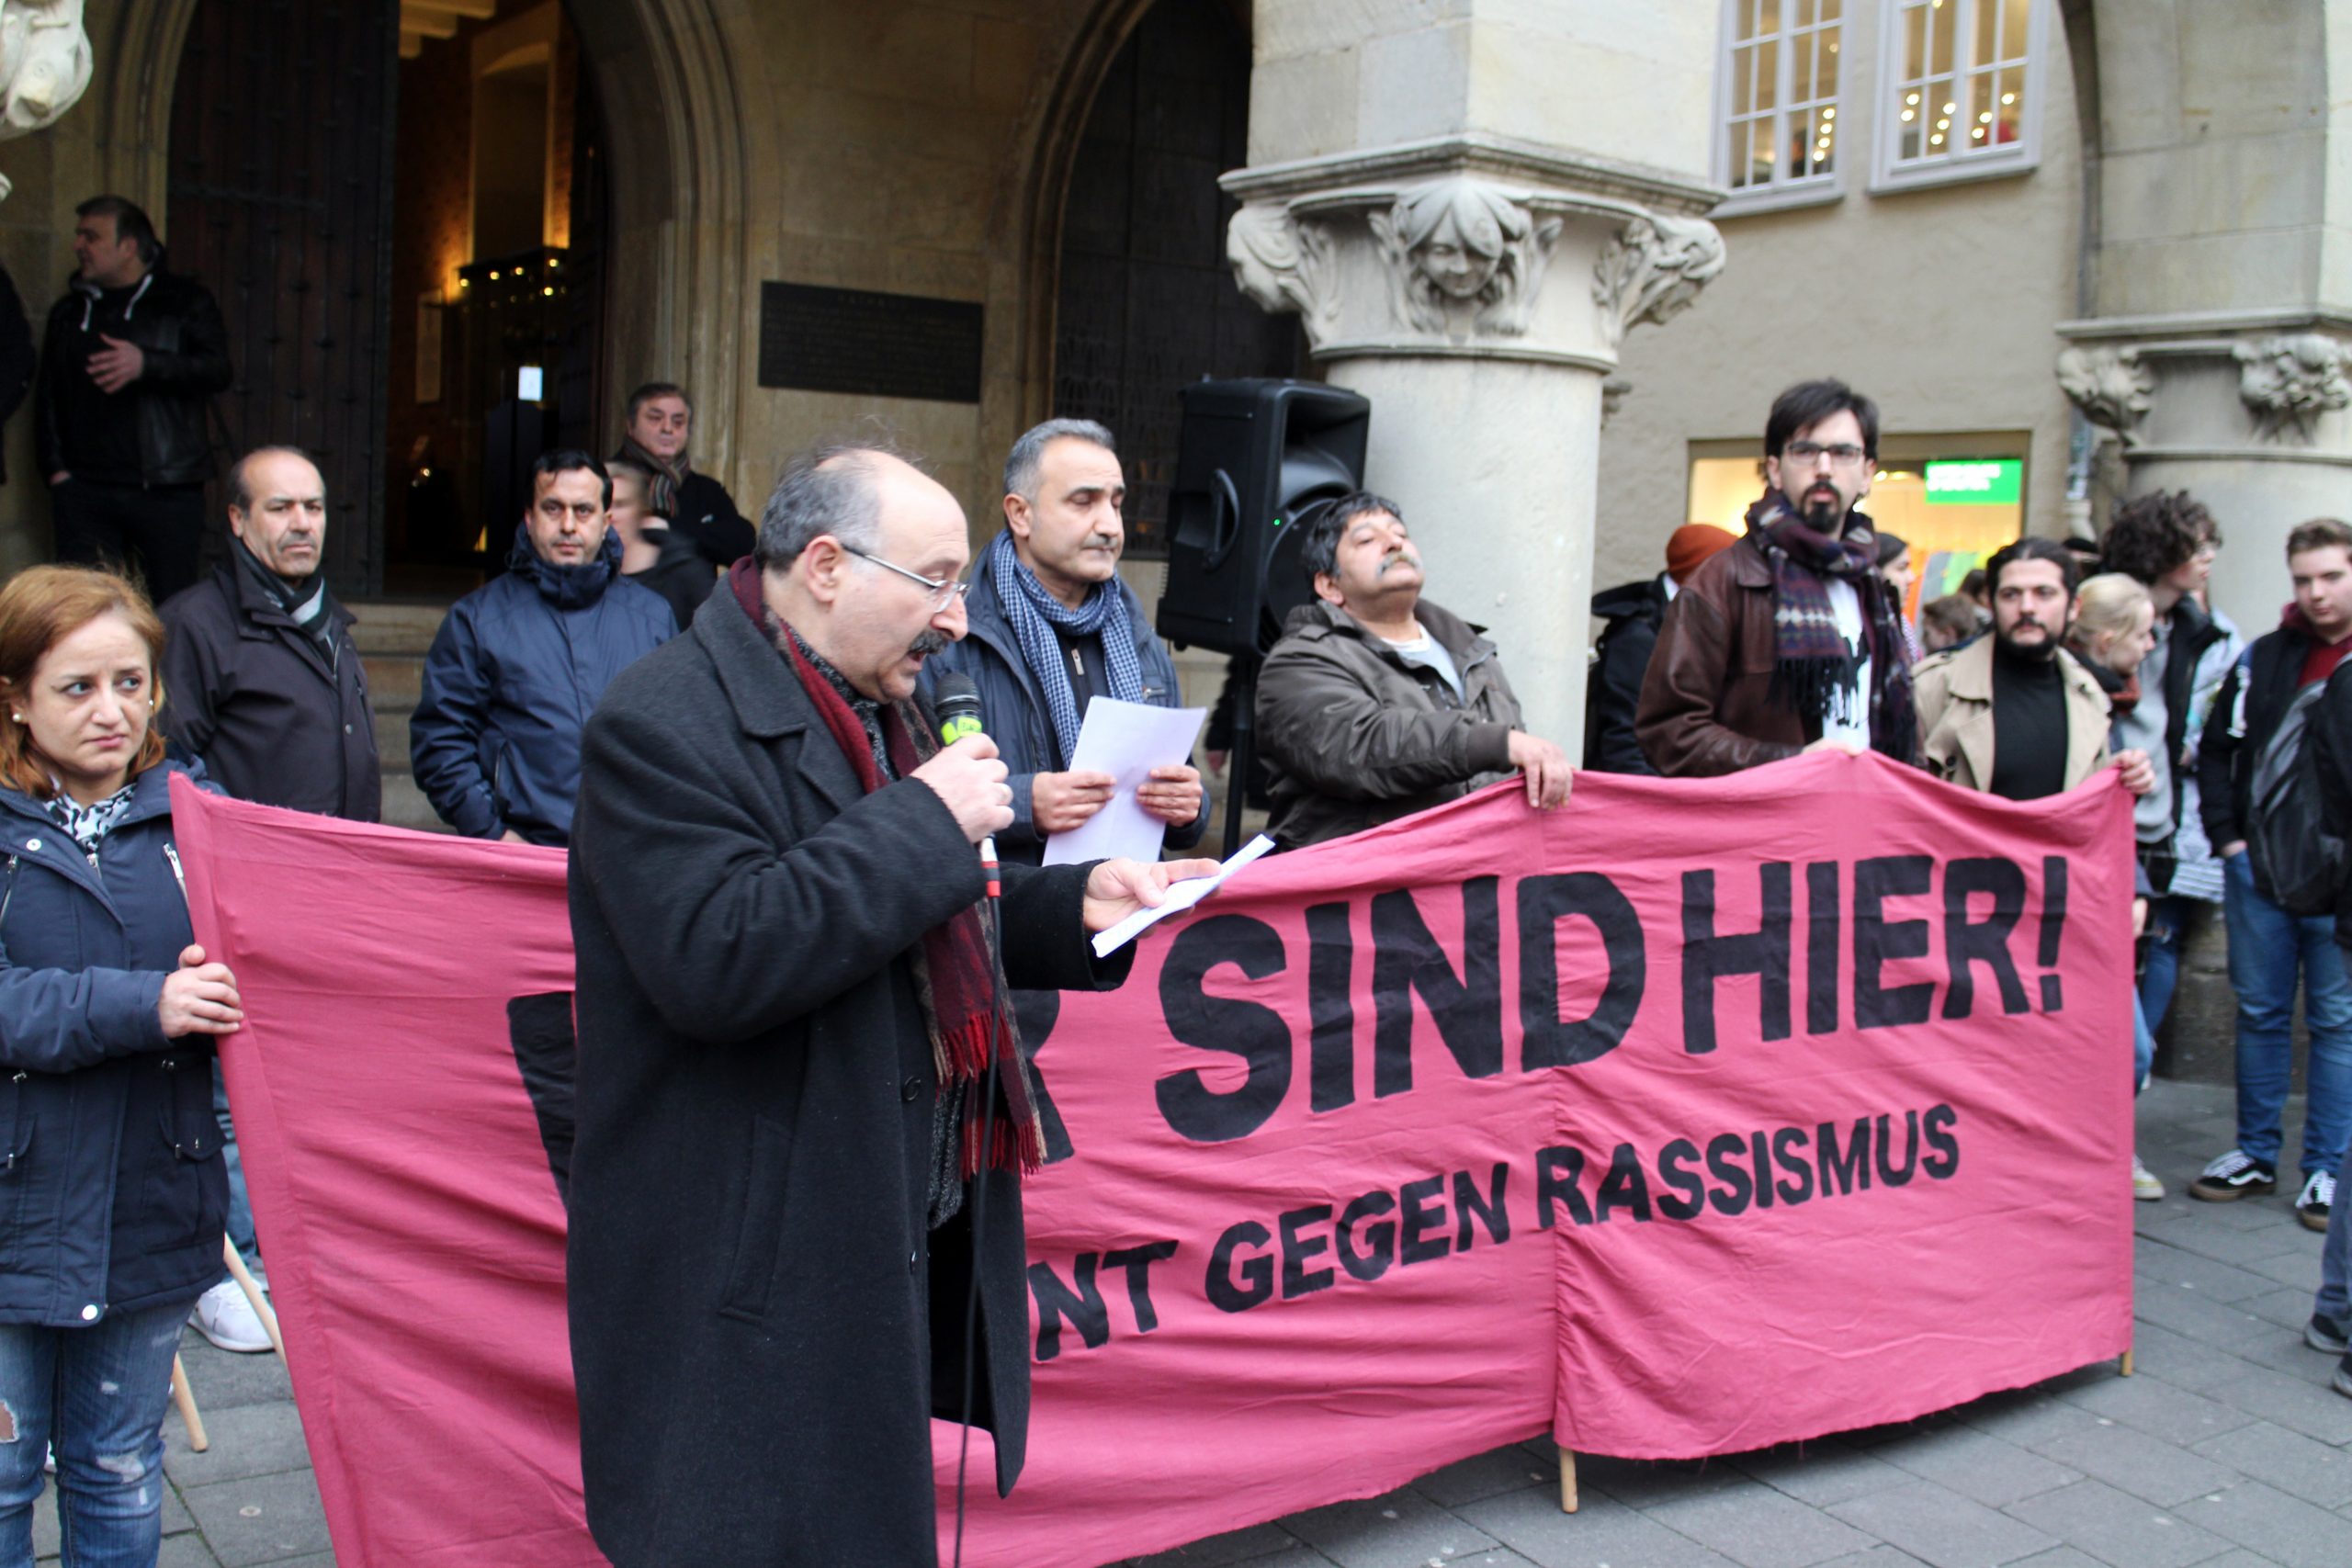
2227, 1449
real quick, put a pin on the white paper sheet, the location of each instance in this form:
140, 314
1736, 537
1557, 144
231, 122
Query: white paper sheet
1126, 740
1182, 895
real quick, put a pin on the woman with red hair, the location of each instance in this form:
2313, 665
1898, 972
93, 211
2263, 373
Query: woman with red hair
111, 1189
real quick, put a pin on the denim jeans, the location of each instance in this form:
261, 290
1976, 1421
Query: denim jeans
2143, 1047
241, 1209
97, 1395
2160, 972
2268, 949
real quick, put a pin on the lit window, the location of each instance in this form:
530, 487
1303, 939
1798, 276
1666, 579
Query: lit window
1777, 89
1962, 88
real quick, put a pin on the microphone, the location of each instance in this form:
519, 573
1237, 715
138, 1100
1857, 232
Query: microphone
957, 700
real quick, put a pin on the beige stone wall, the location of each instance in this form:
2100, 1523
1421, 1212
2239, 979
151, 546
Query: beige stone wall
891, 145
1939, 303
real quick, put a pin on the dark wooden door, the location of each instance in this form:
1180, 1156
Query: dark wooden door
1147, 302
281, 204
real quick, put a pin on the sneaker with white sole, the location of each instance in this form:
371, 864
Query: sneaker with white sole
2231, 1176
224, 1315
2341, 1381
2328, 1335
2317, 1198
2144, 1185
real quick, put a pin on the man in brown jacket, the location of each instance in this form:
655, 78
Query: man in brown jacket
1376, 704
1789, 639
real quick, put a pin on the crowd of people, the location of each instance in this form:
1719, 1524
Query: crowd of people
728, 728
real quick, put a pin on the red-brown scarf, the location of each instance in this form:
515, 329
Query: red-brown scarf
958, 977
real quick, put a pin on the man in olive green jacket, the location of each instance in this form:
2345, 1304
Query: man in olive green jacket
1376, 704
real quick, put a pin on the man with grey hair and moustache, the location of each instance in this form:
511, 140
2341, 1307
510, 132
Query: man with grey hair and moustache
802, 1113
1052, 627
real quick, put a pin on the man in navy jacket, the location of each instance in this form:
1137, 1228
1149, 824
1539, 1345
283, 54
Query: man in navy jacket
520, 663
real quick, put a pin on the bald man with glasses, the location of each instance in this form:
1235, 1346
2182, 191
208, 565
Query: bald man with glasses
1789, 640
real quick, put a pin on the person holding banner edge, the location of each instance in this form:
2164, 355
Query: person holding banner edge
788, 1003
107, 1007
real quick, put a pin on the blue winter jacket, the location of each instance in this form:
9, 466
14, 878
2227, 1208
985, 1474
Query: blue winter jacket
1013, 709
111, 1188
512, 675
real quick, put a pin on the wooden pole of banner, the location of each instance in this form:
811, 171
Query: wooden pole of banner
185, 1398
1568, 1481
2124, 1366
261, 1306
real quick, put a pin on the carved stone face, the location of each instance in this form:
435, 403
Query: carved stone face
1449, 262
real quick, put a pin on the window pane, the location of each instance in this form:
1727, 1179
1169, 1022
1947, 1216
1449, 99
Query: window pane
1988, 27
2008, 107
1802, 49
1940, 109
1805, 13
1942, 24
2013, 27
1824, 66
1828, 10
1981, 98
1767, 75
1914, 43
1768, 17
1743, 99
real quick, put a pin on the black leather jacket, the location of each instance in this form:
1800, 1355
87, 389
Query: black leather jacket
176, 325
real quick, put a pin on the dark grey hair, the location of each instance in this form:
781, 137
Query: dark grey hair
829, 490
241, 492
1021, 463
1319, 552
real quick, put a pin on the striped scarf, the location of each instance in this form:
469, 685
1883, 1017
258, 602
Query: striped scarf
1034, 614
662, 489
305, 602
1814, 669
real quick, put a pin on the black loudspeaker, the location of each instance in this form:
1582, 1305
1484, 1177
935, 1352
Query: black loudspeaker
1254, 456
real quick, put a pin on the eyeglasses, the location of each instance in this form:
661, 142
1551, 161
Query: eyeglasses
944, 591
1844, 455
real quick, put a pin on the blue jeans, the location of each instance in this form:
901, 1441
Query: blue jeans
241, 1209
2160, 972
2143, 1047
2268, 949
97, 1395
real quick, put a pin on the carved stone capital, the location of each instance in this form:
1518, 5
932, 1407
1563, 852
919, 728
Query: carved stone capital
2110, 386
2287, 382
44, 65
1443, 248
1654, 270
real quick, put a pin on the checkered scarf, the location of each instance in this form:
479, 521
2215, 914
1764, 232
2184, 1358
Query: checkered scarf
1030, 608
1813, 669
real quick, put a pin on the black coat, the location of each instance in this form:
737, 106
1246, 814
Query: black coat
683, 575
1613, 693
707, 514
753, 1285
249, 692
2330, 739
16, 356
178, 326
110, 1169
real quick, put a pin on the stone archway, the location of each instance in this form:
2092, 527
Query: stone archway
673, 116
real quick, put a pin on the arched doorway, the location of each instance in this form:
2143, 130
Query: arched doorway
661, 169
1144, 300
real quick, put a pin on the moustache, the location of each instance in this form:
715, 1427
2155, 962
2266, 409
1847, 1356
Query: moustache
1400, 557
932, 641
1100, 542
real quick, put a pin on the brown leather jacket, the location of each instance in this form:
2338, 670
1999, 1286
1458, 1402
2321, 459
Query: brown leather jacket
1352, 736
1706, 704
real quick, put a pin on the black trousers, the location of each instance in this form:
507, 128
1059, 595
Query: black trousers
154, 532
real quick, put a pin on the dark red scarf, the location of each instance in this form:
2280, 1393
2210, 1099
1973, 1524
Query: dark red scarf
958, 977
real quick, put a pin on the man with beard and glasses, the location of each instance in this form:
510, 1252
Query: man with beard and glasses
1377, 703
1052, 627
1790, 640
698, 506
268, 692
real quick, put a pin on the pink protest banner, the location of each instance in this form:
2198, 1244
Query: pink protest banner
1394, 1151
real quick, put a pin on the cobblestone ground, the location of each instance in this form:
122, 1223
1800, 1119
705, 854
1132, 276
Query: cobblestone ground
2227, 1449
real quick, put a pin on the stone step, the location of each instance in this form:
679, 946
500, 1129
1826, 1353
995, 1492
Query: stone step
385, 626
405, 806
392, 739
394, 680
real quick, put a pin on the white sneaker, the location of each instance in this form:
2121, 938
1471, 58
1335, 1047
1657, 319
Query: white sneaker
224, 1315
2144, 1185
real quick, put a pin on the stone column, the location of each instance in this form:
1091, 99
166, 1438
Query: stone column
2213, 343
1473, 280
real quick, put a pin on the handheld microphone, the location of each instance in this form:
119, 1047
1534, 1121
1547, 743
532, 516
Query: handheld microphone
957, 700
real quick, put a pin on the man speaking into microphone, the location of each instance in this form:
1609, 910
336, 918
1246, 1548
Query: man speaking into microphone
791, 1013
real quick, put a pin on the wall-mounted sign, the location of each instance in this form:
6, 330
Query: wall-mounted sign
1975, 482
868, 343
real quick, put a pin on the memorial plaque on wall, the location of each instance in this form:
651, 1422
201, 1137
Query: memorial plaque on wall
868, 343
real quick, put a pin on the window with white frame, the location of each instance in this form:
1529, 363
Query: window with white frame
1778, 93
1962, 88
